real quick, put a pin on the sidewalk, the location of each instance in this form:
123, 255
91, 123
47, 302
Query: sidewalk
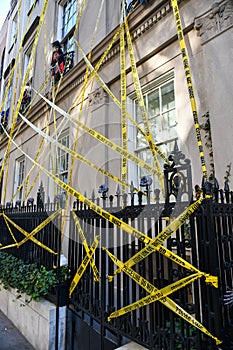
10, 337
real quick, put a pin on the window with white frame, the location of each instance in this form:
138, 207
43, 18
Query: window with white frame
68, 23
13, 31
27, 56
62, 163
159, 99
8, 99
19, 176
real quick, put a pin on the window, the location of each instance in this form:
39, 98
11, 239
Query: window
27, 56
68, 24
69, 16
13, 31
8, 100
27, 91
159, 99
19, 176
62, 163
131, 4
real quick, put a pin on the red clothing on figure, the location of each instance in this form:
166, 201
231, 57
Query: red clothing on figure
58, 61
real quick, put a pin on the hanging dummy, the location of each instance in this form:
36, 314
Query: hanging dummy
58, 61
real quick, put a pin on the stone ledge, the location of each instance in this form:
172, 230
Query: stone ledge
36, 320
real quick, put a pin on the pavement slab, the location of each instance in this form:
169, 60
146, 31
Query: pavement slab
10, 336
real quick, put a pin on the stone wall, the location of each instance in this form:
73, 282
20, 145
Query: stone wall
36, 320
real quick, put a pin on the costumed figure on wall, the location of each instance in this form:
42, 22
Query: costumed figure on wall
58, 61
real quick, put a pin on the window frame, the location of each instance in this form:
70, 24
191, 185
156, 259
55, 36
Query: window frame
8, 101
70, 23
14, 29
157, 83
27, 55
19, 177
60, 154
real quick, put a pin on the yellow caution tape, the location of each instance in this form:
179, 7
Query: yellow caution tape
81, 110
142, 107
11, 233
97, 67
94, 73
155, 243
96, 208
34, 232
110, 217
86, 79
102, 138
28, 175
212, 280
113, 97
72, 152
25, 80
150, 288
79, 15
84, 241
124, 133
83, 265
189, 83
155, 295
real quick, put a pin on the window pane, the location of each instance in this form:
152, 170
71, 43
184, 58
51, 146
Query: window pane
153, 103
62, 157
140, 139
156, 128
69, 16
160, 104
169, 125
147, 157
69, 44
139, 112
8, 100
168, 97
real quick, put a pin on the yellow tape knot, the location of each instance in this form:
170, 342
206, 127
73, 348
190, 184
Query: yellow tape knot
211, 280
208, 196
110, 278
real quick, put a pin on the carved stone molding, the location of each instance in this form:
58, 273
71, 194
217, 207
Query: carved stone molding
218, 19
143, 27
97, 97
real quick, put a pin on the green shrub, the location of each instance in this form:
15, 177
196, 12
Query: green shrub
25, 278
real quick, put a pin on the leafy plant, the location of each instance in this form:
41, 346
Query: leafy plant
25, 278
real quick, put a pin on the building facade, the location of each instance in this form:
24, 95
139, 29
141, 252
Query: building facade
84, 31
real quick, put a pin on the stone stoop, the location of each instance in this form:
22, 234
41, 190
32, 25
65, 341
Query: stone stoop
131, 346
36, 320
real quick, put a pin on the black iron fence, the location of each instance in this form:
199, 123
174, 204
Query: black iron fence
18, 224
205, 240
